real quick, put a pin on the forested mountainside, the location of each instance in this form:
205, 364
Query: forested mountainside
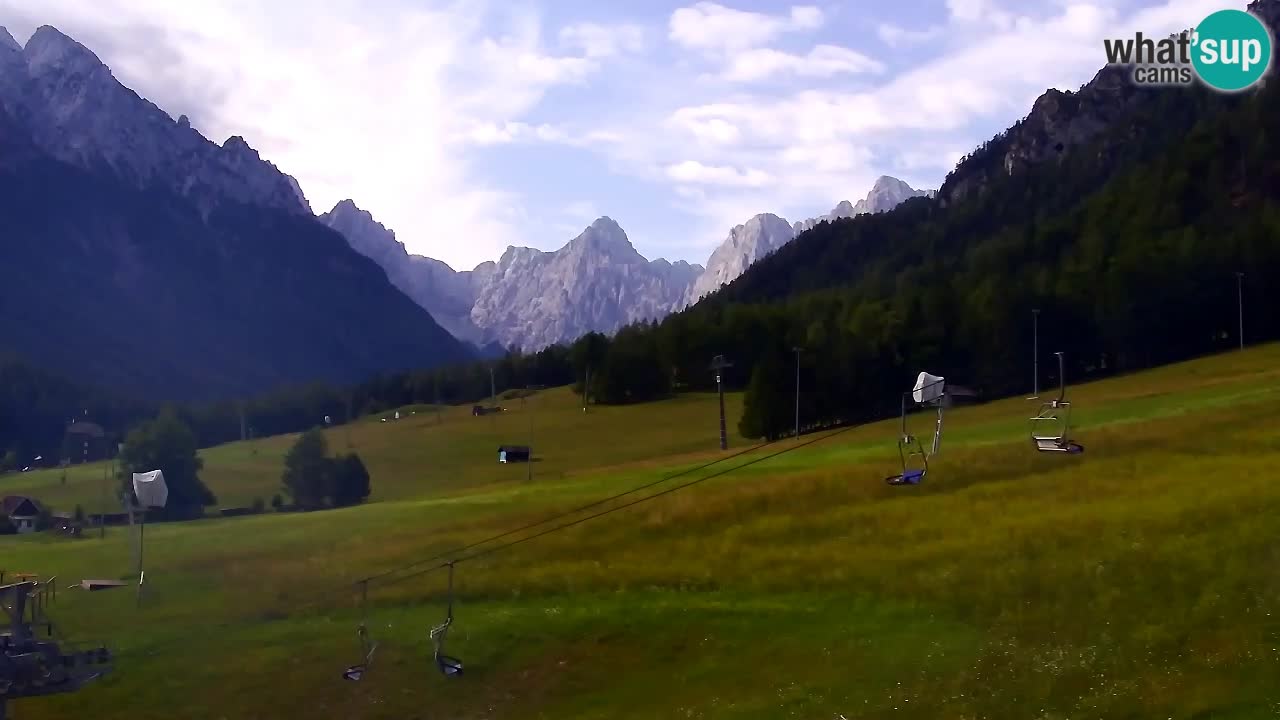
145, 259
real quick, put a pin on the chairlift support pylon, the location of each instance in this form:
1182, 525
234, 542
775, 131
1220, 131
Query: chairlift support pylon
31, 666
1055, 414
927, 393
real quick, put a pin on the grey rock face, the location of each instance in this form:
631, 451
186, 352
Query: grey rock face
433, 285
747, 243
82, 115
887, 194
598, 282
528, 299
763, 234
7, 43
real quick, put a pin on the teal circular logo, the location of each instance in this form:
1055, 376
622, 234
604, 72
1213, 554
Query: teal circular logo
1232, 50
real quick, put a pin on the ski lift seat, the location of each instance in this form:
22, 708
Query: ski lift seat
356, 672
1058, 445
449, 666
910, 477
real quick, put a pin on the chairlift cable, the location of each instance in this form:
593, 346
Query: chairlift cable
382, 578
561, 515
602, 513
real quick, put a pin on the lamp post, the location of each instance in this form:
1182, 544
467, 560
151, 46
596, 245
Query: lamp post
797, 351
718, 364
1240, 304
1035, 353
529, 409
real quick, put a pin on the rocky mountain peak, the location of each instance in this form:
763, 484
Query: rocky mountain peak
348, 210
766, 232
236, 146
605, 236
7, 43
49, 49
366, 235
886, 194
747, 243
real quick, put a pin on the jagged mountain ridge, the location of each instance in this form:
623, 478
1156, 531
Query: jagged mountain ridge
764, 234
597, 282
80, 114
529, 298
446, 294
159, 263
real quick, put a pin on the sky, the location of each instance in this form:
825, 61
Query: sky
468, 127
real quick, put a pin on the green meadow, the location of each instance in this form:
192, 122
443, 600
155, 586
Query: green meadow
1139, 580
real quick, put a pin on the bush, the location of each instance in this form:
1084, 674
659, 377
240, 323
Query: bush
306, 471
258, 505
277, 502
315, 481
350, 480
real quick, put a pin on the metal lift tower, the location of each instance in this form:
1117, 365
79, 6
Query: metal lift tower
30, 665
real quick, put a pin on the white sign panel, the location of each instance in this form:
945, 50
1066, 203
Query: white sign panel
150, 489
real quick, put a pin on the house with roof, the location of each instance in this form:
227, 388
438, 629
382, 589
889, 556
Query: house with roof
23, 512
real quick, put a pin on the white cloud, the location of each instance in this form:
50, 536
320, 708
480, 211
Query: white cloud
826, 158
821, 62
602, 41
692, 171
895, 36
491, 133
713, 27
979, 11
716, 131
581, 210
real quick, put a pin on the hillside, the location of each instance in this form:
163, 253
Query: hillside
1123, 583
153, 262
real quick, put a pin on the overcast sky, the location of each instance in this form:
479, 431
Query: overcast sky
471, 126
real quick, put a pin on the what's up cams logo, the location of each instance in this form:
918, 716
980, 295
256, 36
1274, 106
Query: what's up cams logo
1228, 51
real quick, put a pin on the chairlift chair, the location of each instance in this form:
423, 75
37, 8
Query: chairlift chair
449, 666
1055, 416
356, 672
367, 646
928, 392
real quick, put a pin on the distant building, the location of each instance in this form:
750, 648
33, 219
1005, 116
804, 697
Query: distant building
23, 512
86, 441
514, 453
